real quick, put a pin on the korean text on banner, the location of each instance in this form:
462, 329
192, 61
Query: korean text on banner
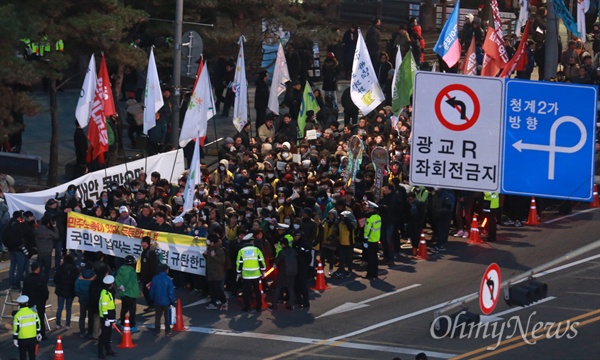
180, 252
364, 86
447, 46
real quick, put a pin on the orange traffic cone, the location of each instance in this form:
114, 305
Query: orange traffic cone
262, 296
179, 318
320, 284
595, 203
58, 352
474, 233
126, 342
532, 219
422, 253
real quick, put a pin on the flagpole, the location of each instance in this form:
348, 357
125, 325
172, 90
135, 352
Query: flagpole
174, 162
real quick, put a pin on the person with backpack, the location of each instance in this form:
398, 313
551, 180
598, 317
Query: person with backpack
12, 239
64, 279
215, 272
127, 286
82, 291
287, 264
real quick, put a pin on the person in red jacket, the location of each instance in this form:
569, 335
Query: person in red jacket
417, 36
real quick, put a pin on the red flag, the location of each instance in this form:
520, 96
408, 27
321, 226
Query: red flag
519, 60
495, 53
97, 127
469, 66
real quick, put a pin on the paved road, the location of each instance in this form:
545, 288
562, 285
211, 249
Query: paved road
391, 316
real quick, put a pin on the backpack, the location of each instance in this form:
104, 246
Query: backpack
12, 237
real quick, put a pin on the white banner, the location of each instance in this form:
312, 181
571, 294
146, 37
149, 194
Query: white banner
89, 186
365, 91
180, 252
281, 75
240, 88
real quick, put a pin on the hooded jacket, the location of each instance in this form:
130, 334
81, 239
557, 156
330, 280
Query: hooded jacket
82, 285
127, 277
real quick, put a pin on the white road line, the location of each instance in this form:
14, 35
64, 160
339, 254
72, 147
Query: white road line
568, 216
389, 293
319, 342
435, 307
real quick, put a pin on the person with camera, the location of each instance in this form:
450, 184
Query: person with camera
45, 235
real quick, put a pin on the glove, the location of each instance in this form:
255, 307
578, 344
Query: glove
16, 342
366, 245
239, 276
122, 288
38, 337
106, 322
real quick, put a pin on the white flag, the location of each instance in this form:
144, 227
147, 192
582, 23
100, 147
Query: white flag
396, 79
153, 99
582, 7
434, 67
281, 75
523, 16
364, 87
86, 97
200, 108
240, 89
194, 178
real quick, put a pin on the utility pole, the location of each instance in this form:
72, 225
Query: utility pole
551, 43
177, 73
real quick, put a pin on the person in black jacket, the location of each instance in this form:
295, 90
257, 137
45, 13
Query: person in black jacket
261, 98
36, 287
287, 264
65, 278
149, 261
350, 109
287, 128
12, 238
303, 251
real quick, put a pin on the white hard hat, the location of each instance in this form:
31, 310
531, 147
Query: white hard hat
108, 279
23, 299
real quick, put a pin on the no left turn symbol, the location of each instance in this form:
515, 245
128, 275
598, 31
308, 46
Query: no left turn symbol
489, 291
457, 107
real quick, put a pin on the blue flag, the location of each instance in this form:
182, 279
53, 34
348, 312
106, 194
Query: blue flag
447, 45
567, 18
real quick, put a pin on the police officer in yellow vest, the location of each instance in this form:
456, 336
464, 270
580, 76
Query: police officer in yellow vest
26, 329
106, 307
372, 236
491, 204
251, 267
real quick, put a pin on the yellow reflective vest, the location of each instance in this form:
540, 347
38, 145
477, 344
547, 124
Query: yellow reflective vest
250, 262
26, 324
373, 228
106, 303
493, 198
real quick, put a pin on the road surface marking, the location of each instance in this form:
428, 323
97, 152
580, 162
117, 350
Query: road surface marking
497, 317
568, 216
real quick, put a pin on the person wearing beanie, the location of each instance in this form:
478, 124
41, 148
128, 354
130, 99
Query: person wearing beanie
226, 148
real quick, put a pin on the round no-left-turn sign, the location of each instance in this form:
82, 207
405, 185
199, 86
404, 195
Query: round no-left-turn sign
489, 291
457, 107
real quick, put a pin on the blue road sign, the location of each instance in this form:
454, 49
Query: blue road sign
549, 139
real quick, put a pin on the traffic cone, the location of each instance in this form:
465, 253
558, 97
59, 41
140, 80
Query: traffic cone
320, 284
262, 296
58, 352
474, 233
595, 203
422, 252
532, 219
126, 342
179, 318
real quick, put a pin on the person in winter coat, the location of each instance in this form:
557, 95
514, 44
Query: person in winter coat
95, 288
349, 40
45, 235
287, 264
330, 239
442, 208
64, 279
12, 239
162, 294
303, 251
261, 98
330, 72
127, 288
36, 287
149, 261
82, 291
215, 272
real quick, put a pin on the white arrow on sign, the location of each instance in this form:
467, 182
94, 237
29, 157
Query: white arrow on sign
349, 306
552, 149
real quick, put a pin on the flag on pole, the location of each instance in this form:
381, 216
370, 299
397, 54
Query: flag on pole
240, 89
519, 59
582, 7
281, 75
364, 86
407, 78
153, 99
470, 62
495, 57
396, 84
200, 108
561, 10
86, 97
308, 103
194, 178
447, 46
97, 133
523, 16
